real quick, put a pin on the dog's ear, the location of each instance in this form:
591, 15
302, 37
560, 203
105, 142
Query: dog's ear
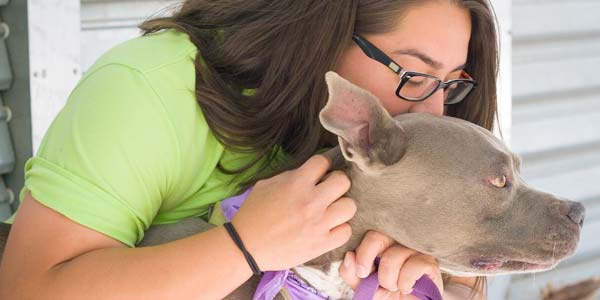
367, 134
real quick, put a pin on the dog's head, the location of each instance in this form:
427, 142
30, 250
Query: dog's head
446, 187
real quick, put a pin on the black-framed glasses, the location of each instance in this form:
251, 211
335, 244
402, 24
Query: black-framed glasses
415, 86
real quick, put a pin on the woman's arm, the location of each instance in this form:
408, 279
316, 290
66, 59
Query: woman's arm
48, 254
84, 264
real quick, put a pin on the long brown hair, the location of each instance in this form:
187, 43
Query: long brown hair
282, 49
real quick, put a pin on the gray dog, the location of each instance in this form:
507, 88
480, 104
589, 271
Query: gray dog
440, 185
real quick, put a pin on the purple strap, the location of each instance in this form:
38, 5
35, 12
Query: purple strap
425, 289
367, 287
272, 282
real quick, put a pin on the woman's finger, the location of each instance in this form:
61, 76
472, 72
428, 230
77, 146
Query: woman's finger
391, 263
347, 270
340, 211
385, 294
415, 267
372, 245
333, 186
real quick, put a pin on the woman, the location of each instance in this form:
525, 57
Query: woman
165, 125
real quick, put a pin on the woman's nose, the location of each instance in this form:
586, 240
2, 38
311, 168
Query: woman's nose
434, 104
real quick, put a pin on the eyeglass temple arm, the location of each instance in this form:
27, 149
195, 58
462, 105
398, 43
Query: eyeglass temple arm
376, 54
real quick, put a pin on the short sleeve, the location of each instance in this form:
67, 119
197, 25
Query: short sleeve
110, 156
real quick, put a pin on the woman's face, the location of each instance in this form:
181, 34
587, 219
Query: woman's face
432, 38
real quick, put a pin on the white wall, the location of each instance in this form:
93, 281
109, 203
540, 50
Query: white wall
498, 286
105, 23
54, 59
556, 119
503, 13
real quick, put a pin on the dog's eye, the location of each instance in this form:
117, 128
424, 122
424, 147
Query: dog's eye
499, 181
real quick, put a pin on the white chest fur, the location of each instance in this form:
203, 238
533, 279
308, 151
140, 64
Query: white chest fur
330, 283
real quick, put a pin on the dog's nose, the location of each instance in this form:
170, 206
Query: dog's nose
577, 213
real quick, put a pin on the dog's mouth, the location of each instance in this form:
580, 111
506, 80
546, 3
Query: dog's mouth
495, 263
548, 256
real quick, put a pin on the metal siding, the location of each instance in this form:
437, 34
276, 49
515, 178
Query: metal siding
53, 66
556, 121
498, 285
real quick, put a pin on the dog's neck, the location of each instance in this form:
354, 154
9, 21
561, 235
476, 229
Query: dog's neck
322, 272
358, 222
359, 229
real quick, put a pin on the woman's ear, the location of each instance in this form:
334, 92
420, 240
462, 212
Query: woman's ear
367, 134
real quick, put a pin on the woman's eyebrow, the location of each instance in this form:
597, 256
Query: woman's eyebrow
426, 59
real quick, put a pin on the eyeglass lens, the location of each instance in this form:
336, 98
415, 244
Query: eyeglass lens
420, 87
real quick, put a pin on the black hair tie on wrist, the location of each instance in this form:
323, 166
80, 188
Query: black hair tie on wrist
238, 241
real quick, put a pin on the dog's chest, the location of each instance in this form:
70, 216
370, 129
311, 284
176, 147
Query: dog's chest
329, 283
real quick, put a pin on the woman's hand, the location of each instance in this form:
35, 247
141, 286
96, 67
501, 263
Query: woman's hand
399, 267
295, 216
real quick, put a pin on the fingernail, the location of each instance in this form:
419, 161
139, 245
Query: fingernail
407, 292
361, 271
347, 260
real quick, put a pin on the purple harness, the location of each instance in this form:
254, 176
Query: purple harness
272, 282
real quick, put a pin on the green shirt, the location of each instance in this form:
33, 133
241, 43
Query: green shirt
131, 146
